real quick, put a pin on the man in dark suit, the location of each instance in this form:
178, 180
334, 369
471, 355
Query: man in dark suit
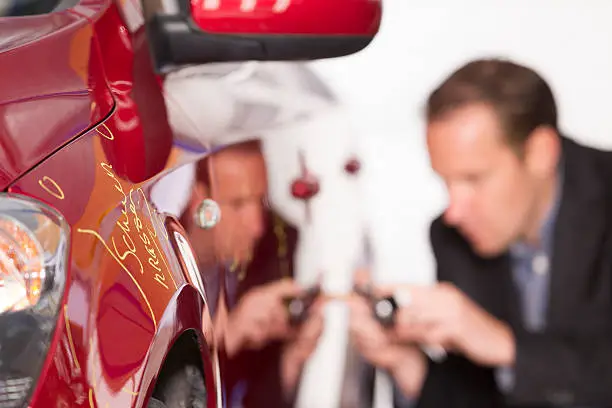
523, 303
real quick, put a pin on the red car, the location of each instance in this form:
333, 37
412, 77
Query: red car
101, 304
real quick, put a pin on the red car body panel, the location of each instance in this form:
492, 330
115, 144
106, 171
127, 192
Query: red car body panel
83, 92
50, 81
127, 300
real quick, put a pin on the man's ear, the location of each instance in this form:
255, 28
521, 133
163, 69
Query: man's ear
543, 151
199, 193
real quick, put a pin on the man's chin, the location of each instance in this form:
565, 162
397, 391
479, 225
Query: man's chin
243, 257
486, 249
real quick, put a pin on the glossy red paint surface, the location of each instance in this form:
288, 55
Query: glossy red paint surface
307, 17
54, 82
127, 297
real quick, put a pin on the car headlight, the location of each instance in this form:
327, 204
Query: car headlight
34, 246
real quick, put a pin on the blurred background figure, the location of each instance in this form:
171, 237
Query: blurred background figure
522, 255
263, 353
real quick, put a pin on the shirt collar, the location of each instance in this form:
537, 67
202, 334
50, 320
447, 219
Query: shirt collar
522, 249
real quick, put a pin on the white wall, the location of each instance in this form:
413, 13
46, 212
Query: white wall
568, 41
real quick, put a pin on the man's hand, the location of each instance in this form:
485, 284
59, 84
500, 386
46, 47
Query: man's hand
369, 337
442, 315
260, 316
302, 343
404, 362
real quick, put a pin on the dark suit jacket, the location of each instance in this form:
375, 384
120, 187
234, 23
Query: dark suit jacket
570, 362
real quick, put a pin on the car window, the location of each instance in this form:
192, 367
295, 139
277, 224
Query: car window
17, 8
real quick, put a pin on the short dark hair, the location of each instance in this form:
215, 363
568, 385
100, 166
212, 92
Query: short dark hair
521, 98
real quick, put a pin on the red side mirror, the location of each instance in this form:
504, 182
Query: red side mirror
201, 31
283, 17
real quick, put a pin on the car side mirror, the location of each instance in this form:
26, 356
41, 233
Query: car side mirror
185, 32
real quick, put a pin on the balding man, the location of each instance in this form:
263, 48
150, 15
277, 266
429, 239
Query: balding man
264, 353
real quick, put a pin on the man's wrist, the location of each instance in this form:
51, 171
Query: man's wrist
291, 367
409, 371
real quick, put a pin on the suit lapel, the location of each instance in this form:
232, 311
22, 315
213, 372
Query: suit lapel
578, 232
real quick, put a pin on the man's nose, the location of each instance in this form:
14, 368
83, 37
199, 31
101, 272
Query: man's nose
457, 210
258, 227
254, 221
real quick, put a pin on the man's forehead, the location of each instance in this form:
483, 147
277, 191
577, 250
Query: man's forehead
240, 166
239, 175
468, 128
467, 139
